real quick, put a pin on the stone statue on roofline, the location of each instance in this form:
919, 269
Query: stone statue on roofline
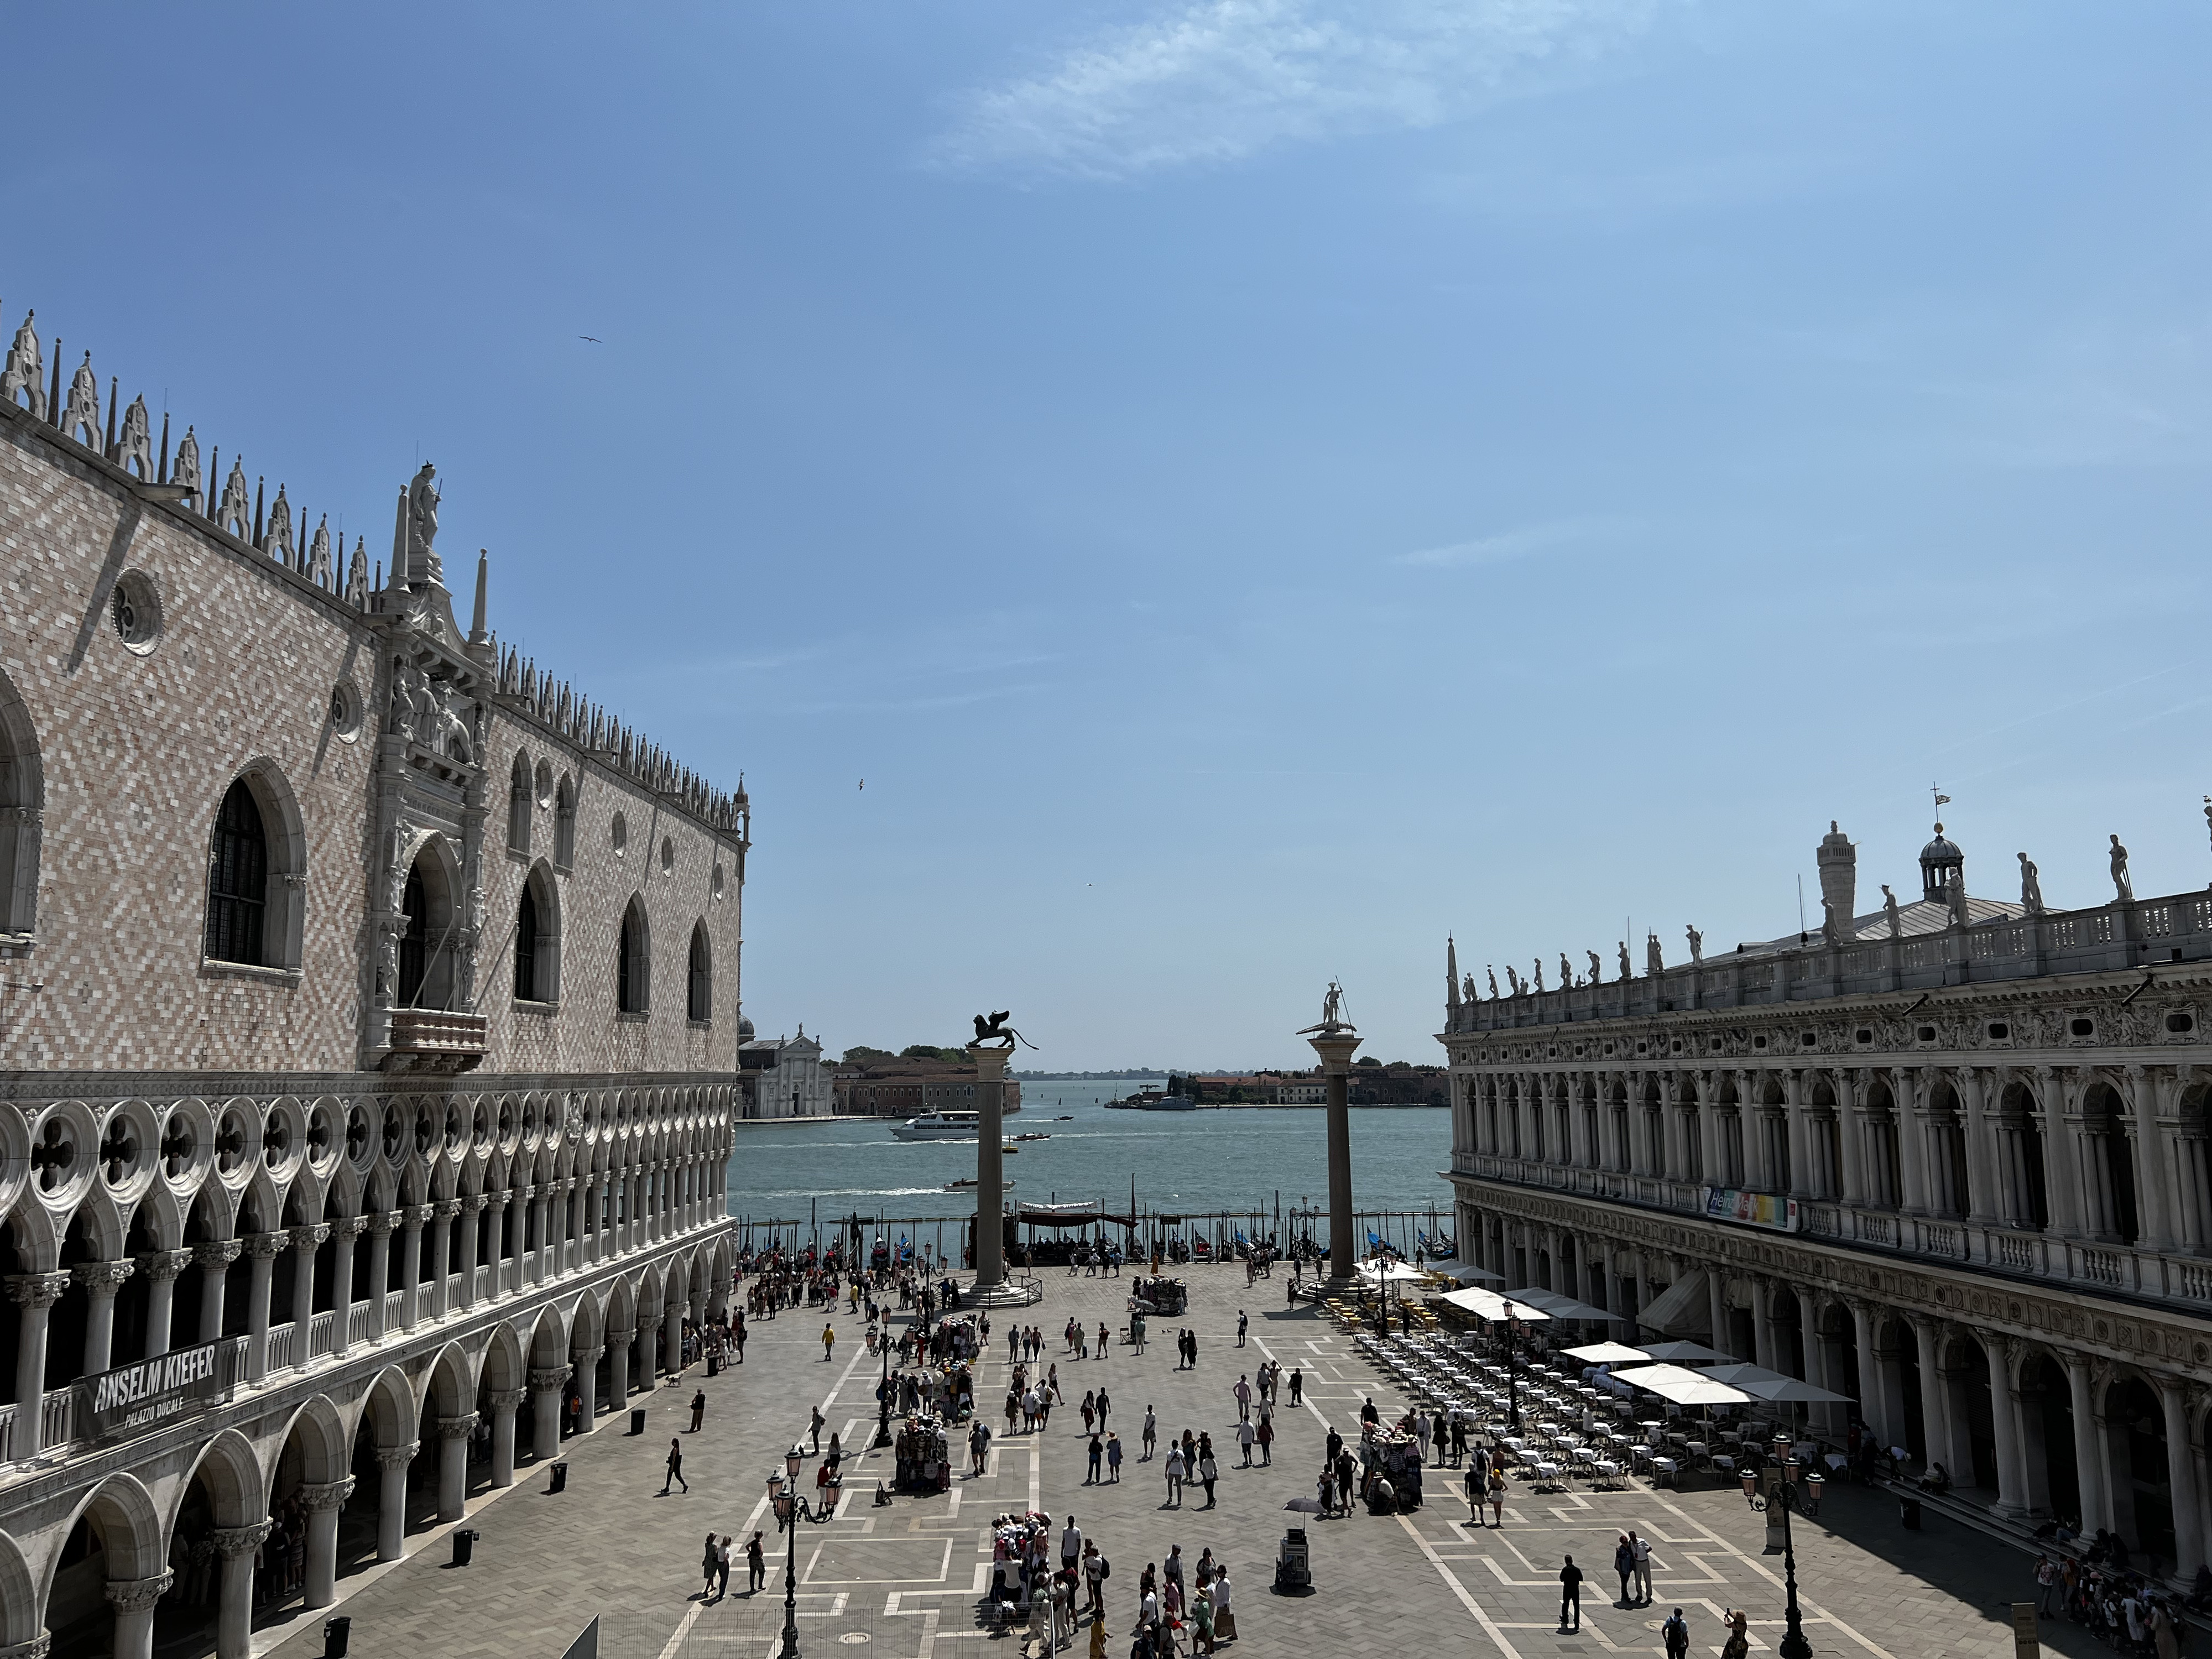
1596, 969
1539, 981
1471, 995
422, 498
26, 368
1955, 895
1889, 912
1831, 929
1491, 973
2031, 887
1653, 960
1624, 974
2123, 887
1566, 974
1697, 945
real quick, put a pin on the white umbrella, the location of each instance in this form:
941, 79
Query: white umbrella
1383, 1271
1682, 1386
1763, 1385
1489, 1305
1684, 1353
1561, 1307
1608, 1353
1467, 1273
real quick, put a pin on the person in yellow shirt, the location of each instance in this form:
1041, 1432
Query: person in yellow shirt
828, 1340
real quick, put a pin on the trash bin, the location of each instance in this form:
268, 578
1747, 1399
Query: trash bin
713, 1364
336, 1632
560, 1476
1908, 1511
637, 1420
465, 1545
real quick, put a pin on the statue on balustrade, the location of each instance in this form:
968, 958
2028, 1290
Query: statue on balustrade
1596, 971
1697, 945
1653, 962
2031, 887
2122, 888
1539, 976
1492, 974
1566, 973
1889, 912
1624, 974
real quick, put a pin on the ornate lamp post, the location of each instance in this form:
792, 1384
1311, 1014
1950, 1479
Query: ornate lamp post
1512, 1374
787, 1515
1794, 1645
883, 1389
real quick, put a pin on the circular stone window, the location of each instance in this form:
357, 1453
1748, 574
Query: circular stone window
137, 609
668, 855
619, 834
345, 710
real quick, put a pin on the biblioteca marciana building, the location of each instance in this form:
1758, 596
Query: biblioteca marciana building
1947, 1158
369, 1018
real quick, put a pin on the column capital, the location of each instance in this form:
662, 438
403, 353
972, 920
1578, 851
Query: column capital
622, 1336
457, 1428
37, 1290
380, 1225
550, 1376
138, 1595
446, 1208
230, 1543
397, 1457
160, 1265
331, 1496
473, 1203
416, 1216
506, 1400
264, 1246
107, 1276
308, 1238
349, 1226
220, 1254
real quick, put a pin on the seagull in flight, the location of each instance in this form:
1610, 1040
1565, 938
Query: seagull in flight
593, 338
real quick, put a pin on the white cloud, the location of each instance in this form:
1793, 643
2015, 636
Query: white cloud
1207, 82
1514, 543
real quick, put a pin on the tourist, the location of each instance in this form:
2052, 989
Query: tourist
1245, 1436
1151, 1434
1104, 1338
1624, 1562
979, 1446
1298, 1386
1675, 1634
1113, 1458
2046, 1576
1266, 1437
755, 1564
1225, 1621
828, 1340
1071, 1545
675, 1466
1739, 1638
1497, 1498
1104, 1404
1090, 1410
816, 1428
1242, 1320
709, 1562
1571, 1595
1176, 1468
1207, 1472
1243, 1392
1642, 1546
1097, 1456
722, 1568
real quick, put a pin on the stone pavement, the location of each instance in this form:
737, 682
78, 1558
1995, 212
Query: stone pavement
904, 1581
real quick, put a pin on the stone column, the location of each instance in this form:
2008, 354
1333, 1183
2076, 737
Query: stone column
990, 1168
261, 1253
133, 1600
1874, 1384
345, 1230
2004, 1422
392, 1501
2061, 1162
1983, 1199
1935, 1396
1912, 1139
305, 1241
323, 1504
545, 1409
442, 1256
618, 1368
2089, 1458
518, 1234
1762, 1323
411, 1264
380, 1271
102, 1280
672, 1332
1796, 1131
572, 1249
1823, 1368
2181, 1476
1717, 1306
161, 1269
503, 1404
35, 1294
1850, 1134
472, 1208
2152, 1149
233, 1630
648, 1331
542, 1257
453, 1434
213, 1261
1333, 1044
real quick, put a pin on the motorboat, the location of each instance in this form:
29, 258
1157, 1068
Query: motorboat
1034, 1134
939, 1126
966, 1184
1065, 1117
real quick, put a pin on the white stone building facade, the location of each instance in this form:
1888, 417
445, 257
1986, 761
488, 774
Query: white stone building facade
783, 1076
368, 1040
1947, 1158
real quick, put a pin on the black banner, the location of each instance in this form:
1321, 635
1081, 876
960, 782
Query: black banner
139, 1396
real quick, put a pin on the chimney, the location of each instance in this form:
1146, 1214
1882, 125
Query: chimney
1840, 874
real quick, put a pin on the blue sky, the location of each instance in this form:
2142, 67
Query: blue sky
1252, 487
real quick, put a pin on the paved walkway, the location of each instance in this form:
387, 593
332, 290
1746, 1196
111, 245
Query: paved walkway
902, 1581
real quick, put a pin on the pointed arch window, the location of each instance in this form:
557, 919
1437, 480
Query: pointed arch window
517, 804
538, 939
634, 964
699, 1003
238, 880
526, 948
564, 824
415, 943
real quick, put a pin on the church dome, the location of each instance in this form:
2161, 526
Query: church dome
1941, 864
745, 1031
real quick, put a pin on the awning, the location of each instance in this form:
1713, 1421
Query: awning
1683, 1387
1688, 1353
1559, 1306
1383, 1271
1682, 1309
1489, 1305
1467, 1273
1762, 1384
1608, 1353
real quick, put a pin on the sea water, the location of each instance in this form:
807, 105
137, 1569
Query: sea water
1245, 1159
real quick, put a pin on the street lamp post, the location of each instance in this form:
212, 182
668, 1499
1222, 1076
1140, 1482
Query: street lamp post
883, 1389
1794, 1645
1512, 1375
787, 1512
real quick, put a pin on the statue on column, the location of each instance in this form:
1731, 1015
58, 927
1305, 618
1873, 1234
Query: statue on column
2123, 887
2031, 887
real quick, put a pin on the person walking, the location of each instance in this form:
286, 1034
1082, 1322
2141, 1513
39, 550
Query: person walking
1571, 1595
1642, 1546
755, 1565
1243, 1392
1151, 1434
1298, 1386
1208, 1472
1267, 1443
722, 1568
707, 1563
1739, 1638
828, 1340
1624, 1562
1113, 1458
1224, 1621
675, 1466
1497, 1498
1675, 1634
2046, 1578
1105, 1405
1242, 1321
1071, 1545
1090, 1410
1097, 1459
1094, 1576
698, 1410
1174, 1474
1245, 1436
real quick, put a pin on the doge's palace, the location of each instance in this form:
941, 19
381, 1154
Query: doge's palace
369, 1001
1945, 1157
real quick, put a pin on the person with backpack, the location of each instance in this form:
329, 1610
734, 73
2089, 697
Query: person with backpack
1675, 1634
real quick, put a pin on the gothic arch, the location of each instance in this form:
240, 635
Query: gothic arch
22, 1619
256, 897
538, 937
323, 1440
22, 812
634, 960
235, 1487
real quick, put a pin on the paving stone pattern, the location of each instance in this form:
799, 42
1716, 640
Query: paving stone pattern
903, 1580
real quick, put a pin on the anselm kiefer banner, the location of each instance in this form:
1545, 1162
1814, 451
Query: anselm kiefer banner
141, 1395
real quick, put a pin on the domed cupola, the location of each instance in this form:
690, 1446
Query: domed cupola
1940, 864
745, 1031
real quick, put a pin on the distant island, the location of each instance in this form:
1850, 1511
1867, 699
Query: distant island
1137, 1074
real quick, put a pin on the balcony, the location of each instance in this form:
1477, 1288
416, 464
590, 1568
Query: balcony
430, 1040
